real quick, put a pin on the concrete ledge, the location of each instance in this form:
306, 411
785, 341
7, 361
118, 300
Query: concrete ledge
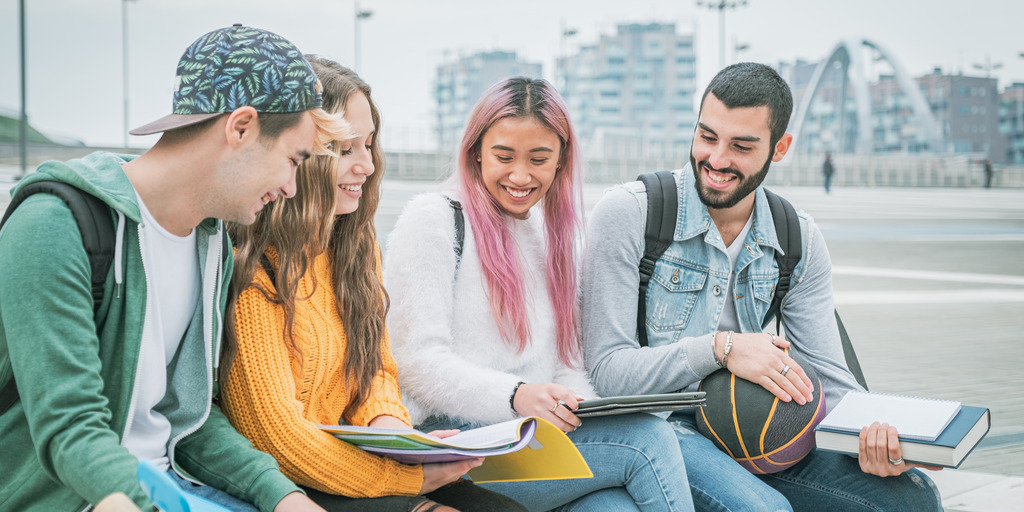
968, 491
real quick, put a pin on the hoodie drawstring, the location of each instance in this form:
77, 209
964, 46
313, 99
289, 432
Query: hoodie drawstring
118, 249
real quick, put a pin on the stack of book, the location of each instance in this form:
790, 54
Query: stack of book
933, 432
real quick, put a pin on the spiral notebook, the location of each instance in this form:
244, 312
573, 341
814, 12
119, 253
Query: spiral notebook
914, 417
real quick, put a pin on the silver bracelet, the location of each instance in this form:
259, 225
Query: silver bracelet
714, 349
728, 347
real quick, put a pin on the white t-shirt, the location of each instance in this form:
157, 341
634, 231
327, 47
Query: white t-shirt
172, 273
729, 320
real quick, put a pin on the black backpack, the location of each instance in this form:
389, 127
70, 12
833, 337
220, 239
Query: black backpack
96, 225
94, 222
662, 208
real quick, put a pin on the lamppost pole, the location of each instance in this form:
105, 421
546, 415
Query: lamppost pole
360, 15
721, 6
737, 48
564, 35
124, 67
988, 67
23, 125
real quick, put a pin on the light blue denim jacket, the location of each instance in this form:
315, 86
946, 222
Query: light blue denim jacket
687, 293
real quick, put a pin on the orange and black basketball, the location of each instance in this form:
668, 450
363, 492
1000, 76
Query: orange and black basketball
761, 432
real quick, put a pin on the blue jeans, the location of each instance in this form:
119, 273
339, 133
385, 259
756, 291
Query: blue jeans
636, 466
821, 481
217, 496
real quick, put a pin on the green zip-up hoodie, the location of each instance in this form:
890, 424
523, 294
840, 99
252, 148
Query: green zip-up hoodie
60, 443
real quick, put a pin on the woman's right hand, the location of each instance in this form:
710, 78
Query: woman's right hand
443, 473
553, 402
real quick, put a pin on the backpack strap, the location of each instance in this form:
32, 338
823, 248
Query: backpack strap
460, 228
94, 222
662, 209
852, 363
787, 229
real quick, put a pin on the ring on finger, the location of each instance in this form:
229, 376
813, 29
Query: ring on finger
773, 338
784, 370
896, 462
554, 408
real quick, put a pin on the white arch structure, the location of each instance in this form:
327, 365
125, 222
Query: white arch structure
849, 56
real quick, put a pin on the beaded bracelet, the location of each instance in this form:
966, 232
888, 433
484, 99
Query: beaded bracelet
728, 347
512, 399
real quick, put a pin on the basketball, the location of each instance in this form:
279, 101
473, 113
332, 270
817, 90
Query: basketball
754, 427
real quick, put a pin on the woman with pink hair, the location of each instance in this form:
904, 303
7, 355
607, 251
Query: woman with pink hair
484, 318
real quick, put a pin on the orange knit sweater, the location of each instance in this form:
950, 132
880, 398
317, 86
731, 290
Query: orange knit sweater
277, 392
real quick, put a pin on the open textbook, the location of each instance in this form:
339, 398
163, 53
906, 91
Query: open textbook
520, 449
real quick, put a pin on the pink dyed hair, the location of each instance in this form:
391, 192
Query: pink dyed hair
563, 208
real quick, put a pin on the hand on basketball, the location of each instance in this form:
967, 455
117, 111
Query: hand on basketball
880, 449
759, 358
550, 401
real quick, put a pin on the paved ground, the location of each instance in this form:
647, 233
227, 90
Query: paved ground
930, 284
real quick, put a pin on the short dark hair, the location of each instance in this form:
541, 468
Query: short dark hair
273, 123
749, 84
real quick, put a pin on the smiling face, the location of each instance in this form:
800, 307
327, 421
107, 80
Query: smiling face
518, 160
356, 162
263, 171
731, 152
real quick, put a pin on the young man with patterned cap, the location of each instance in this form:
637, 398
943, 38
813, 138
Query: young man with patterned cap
99, 389
705, 303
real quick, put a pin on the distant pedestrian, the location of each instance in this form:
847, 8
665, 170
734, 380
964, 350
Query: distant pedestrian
828, 170
988, 173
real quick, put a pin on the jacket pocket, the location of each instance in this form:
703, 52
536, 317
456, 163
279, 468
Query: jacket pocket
759, 293
672, 295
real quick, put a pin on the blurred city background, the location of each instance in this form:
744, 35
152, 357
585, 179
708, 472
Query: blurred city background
915, 93
910, 97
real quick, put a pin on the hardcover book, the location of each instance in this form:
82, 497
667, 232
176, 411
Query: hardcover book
949, 449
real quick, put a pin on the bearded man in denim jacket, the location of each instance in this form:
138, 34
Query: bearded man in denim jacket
718, 275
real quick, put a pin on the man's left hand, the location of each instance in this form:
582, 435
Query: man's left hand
880, 449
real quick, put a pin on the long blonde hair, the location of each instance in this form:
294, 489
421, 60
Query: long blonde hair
305, 226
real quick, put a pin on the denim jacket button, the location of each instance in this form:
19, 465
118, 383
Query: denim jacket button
717, 290
675, 279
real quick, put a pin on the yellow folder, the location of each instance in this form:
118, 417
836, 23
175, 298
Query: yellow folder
551, 455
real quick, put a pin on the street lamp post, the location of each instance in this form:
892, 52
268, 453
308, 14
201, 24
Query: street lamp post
360, 15
721, 6
564, 35
737, 48
124, 65
988, 67
23, 125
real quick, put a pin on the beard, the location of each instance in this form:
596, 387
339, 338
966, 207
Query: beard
718, 199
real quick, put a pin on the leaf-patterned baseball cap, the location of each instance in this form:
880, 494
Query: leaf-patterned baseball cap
235, 67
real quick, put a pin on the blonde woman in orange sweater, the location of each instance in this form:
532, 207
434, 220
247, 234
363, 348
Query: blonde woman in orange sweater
306, 340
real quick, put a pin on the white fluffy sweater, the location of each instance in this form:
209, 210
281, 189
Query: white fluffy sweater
451, 358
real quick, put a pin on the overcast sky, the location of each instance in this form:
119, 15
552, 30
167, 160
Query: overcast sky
75, 62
